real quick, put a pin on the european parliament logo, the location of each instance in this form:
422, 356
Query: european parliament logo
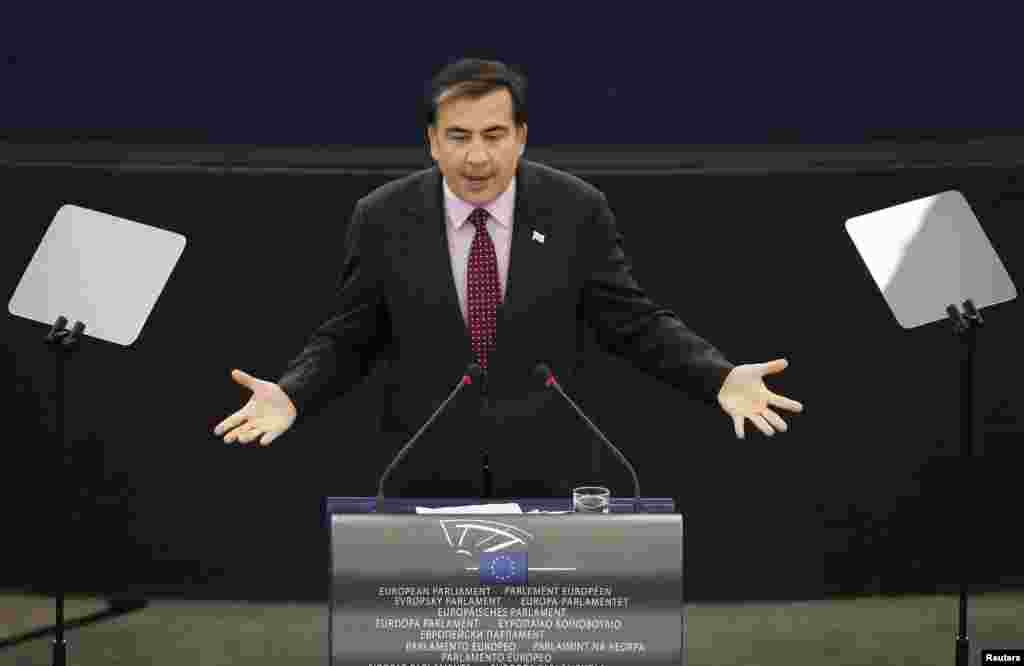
491, 541
466, 536
503, 568
500, 549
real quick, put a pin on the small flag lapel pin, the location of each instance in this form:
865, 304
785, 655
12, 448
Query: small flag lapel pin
538, 236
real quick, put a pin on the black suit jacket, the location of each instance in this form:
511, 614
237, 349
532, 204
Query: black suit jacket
397, 307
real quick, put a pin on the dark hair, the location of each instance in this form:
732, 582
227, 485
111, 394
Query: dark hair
474, 78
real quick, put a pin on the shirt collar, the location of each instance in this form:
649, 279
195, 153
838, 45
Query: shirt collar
500, 208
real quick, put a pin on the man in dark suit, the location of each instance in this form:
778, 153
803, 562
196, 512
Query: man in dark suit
497, 260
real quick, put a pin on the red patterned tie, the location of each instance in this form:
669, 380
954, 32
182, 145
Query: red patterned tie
483, 293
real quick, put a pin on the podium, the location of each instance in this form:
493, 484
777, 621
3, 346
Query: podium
511, 588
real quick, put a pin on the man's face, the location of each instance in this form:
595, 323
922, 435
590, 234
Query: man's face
477, 138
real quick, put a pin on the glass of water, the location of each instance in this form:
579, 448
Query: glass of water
591, 499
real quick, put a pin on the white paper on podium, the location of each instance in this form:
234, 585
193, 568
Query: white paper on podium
511, 507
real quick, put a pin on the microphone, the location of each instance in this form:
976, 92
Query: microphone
542, 371
473, 371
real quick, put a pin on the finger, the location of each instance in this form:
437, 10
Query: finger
771, 367
236, 419
243, 378
236, 434
737, 422
250, 434
785, 403
762, 425
267, 438
775, 420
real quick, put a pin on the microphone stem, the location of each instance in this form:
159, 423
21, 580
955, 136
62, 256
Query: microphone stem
618, 454
401, 454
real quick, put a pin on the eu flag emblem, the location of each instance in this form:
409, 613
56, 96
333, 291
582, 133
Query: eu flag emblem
503, 568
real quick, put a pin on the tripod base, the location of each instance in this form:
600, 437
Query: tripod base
60, 650
115, 608
963, 651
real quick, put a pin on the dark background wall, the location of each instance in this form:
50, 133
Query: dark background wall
656, 75
859, 492
748, 246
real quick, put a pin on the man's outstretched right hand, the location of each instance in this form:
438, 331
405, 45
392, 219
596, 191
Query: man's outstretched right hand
267, 415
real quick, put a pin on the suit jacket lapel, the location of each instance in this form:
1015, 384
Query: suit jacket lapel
524, 280
428, 244
526, 277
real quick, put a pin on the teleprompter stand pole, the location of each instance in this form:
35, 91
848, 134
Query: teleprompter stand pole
965, 325
63, 343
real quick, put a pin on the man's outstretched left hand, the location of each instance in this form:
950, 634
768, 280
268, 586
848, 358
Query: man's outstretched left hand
744, 396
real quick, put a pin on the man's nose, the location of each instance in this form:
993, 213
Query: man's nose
477, 156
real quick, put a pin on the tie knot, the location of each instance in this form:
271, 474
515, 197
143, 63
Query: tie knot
478, 217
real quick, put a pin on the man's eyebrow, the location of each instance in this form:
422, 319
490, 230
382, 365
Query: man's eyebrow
492, 128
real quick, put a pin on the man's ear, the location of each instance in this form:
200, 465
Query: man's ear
430, 141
